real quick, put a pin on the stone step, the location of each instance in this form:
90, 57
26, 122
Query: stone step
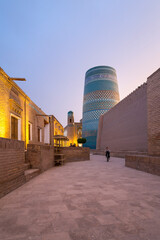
27, 166
31, 173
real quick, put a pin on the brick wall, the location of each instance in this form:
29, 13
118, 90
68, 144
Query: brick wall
40, 156
72, 154
124, 127
12, 160
153, 100
148, 164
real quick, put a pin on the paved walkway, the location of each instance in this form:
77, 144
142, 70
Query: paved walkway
91, 200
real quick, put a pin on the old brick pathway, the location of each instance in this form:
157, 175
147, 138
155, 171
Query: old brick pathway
91, 200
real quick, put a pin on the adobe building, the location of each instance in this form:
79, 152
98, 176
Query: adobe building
21, 118
100, 95
73, 130
131, 129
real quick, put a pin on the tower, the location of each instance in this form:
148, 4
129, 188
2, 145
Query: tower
71, 127
73, 130
70, 117
100, 95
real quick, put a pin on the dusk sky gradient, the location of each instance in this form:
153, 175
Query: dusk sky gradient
52, 43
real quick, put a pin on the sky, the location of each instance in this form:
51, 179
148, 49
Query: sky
52, 43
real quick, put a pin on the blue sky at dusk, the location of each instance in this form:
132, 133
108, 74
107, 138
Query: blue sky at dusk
53, 43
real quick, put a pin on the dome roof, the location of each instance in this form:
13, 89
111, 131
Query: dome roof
70, 112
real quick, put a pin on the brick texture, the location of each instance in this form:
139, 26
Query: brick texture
153, 101
72, 154
12, 160
124, 127
148, 164
40, 156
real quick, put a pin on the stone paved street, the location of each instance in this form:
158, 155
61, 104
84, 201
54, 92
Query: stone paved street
90, 200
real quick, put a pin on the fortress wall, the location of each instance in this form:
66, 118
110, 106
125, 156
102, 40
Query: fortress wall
124, 127
153, 101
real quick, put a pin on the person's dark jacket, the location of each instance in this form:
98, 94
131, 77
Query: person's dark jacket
108, 154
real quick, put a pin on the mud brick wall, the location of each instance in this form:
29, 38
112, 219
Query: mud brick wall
72, 154
148, 164
12, 160
153, 101
40, 156
124, 127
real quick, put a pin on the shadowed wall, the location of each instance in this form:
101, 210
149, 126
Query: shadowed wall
124, 127
153, 101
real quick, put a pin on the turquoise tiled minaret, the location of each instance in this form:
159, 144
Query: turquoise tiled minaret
100, 95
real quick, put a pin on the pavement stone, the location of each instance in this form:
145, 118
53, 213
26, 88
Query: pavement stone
90, 200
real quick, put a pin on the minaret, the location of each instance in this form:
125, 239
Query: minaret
70, 128
70, 118
100, 95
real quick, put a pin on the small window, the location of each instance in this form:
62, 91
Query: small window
15, 127
70, 120
30, 131
39, 135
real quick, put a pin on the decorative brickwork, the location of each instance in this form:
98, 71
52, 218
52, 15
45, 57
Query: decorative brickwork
100, 95
103, 94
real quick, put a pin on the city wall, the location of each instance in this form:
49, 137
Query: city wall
12, 160
151, 162
124, 127
153, 102
131, 129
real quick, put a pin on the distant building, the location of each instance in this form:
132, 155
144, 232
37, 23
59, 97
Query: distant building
100, 95
73, 130
21, 118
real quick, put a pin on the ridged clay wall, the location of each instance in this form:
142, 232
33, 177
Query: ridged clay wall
124, 127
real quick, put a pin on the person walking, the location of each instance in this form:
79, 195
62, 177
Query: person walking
107, 154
